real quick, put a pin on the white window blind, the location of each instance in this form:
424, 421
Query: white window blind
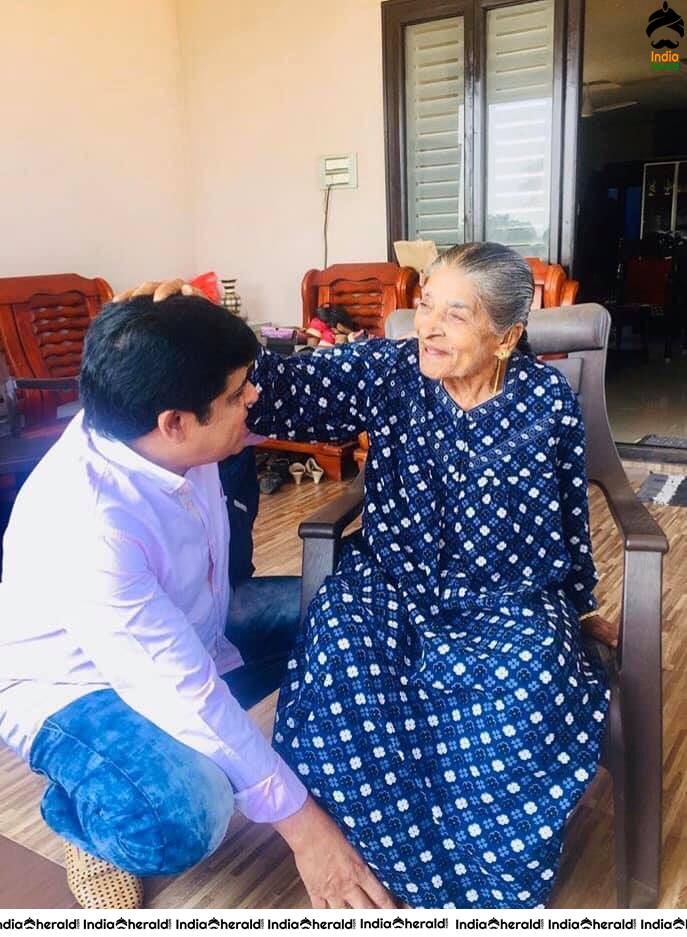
519, 112
434, 130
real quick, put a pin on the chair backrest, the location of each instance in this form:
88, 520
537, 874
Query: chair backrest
43, 321
646, 280
552, 288
368, 291
580, 332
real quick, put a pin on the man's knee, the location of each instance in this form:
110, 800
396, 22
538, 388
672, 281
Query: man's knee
160, 835
264, 616
191, 835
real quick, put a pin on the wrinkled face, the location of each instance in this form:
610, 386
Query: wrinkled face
225, 430
456, 336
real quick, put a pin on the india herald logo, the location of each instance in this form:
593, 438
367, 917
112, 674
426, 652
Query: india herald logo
663, 24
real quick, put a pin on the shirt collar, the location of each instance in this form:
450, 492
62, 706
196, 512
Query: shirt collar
124, 456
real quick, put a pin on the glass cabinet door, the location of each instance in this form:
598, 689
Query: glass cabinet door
657, 210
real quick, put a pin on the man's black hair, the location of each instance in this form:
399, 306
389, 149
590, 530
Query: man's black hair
141, 358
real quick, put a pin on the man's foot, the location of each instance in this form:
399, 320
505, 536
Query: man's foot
97, 884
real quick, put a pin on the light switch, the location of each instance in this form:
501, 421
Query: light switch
339, 171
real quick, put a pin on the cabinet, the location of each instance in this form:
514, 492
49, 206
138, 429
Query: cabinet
664, 197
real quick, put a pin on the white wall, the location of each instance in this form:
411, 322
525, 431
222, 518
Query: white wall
269, 85
149, 138
92, 176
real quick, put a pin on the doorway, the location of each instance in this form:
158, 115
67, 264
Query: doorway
631, 238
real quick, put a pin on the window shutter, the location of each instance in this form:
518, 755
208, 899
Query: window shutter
434, 130
519, 101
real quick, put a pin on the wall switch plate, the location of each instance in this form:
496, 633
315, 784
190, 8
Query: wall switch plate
339, 171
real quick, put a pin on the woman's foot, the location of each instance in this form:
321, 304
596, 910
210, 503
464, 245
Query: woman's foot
97, 884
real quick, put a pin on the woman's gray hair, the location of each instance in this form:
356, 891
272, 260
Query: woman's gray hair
503, 280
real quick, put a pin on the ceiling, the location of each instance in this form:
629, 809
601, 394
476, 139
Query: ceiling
617, 49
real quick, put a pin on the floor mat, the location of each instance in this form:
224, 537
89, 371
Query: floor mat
665, 489
668, 442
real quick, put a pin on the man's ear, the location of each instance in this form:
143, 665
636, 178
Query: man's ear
170, 424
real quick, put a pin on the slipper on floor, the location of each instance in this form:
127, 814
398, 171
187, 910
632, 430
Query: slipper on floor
271, 482
314, 470
297, 470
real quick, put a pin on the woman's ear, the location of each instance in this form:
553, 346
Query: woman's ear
510, 340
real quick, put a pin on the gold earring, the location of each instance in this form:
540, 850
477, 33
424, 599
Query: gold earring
500, 356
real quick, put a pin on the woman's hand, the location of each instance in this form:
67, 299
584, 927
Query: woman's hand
601, 629
159, 290
333, 872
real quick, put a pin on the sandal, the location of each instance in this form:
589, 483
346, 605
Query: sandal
297, 471
271, 482
314, 470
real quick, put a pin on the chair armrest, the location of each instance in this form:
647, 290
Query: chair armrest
47, 383
636, 715
639, 530
11, 385
635, 719
330, 522
321, 535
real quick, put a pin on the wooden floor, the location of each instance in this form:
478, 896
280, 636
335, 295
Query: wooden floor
253, 868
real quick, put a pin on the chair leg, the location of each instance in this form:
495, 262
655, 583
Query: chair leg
620, 821
616, 765
643, 813
637, 818
641, 709
637, 859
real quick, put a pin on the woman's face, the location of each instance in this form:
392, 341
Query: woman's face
455, 334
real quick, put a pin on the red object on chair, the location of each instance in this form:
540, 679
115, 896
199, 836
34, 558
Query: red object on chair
646, 281
208, 283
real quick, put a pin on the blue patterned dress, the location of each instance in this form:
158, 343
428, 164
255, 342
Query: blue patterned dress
440, 704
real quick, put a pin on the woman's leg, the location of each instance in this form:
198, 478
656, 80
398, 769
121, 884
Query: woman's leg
125, 791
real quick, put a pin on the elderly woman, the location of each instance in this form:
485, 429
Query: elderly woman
440, 704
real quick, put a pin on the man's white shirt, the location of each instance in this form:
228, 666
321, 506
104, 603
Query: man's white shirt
115, 574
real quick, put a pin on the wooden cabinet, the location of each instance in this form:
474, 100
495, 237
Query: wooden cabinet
664, 197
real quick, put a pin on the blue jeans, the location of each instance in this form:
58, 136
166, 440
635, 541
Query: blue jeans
125, 791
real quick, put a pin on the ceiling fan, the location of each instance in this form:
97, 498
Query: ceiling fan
588, 108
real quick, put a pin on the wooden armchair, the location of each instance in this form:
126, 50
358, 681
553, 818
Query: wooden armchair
552, 288
43, 320
369, 292
633, 749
